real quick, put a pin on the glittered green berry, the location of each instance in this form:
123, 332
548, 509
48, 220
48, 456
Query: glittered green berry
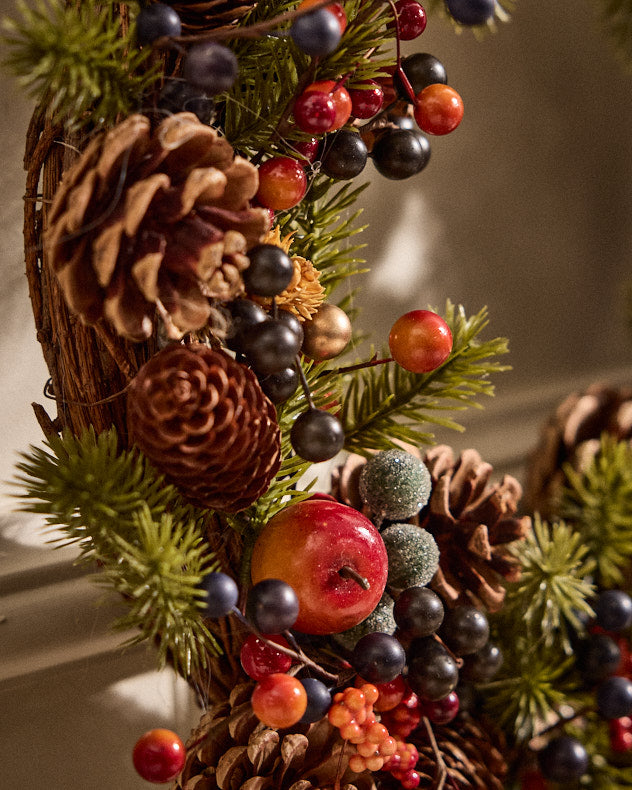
395, 485
413, 556
381, 619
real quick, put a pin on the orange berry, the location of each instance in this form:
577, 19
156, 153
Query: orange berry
354, 698
351, 730
377, 733
388, 746
339, 715
374, 763
361, 715
370, 719
367, 749
279, 700
357, 764
370, 693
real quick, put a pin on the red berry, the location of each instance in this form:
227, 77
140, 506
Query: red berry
420, 341
366, 102
391, 694
260, 659
314, 112
339, 96
158, 756
438, 109
411, 19
533, 780
308, 148
442, 711
279, 700
282, 183
621, 734
410, 780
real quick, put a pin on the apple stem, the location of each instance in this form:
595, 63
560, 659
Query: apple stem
347, 572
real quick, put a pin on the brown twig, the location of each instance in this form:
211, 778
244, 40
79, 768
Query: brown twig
442, 771
361, 365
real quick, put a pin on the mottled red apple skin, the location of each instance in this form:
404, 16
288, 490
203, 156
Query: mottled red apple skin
306, 545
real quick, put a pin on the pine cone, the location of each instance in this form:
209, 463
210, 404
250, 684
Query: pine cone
472, 753
203, 420
202, 15
232, 749
472, 523
572, 435
153, 222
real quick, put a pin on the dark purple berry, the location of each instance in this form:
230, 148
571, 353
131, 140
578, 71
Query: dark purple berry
465, 630
270, 346
211, 67
280, 386
222, 594
179, 96
418, 612
292, 321
272, 606
422, 69
156, 21
316, 33
614, 697
345, 155
471, 12
563, 759
318, 700
270, 270
244, 314
399, 153
482, 665
317, 436
613, 610
432, 672
378, 657
598, 657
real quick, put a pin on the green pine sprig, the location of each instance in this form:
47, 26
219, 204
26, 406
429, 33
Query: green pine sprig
77, 58
122, 515
159, 574
553, 592
385, 404
598, 503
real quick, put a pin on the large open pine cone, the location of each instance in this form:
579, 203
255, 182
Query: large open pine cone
572, 435
202, 419
472, 523
232, 749
153, 221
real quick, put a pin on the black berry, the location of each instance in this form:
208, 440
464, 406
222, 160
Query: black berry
155, 21
471, 12
316, 33
272, 606
270, 270
400, 153
292, 321
614, 697
483, 665
244, 314
280, 386
317, 436
318, 700
465, 630
179, 96
378, 657
211, 67
598, 657
422, 69
222, 594
432, 672
563, 759
613, 610
270, 346
418, 611
345, 155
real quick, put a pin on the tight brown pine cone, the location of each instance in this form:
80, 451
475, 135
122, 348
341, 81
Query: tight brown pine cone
153, 222
202, 419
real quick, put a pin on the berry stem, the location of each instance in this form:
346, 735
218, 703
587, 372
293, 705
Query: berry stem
347, 572
400, 71
304, 384
442, 771
360, 365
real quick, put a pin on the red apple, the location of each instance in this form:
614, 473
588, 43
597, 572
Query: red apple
317, 547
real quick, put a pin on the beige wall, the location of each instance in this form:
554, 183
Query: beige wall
525, 208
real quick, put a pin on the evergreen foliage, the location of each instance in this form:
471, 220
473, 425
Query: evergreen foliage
598, 503
148, 543
553, 592
77, 58
387, 404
